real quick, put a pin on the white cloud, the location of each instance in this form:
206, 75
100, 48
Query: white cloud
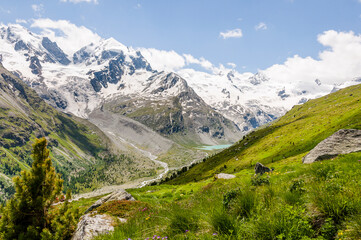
339, 63
261, 26
201, 61
72, 37
235, 33
38, 9
172, 61
163, 60
138, 6
80, 1
232, 65
21, 21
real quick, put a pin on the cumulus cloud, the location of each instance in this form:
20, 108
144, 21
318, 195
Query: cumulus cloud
339, 63
72, 37
172, 61
235, 33
261, 26
80, 1
163, 60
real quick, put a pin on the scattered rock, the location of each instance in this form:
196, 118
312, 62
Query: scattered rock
120, 194
224, 176
342, 142
90, 226
261, 169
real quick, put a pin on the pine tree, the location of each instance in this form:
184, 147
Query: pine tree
26, 215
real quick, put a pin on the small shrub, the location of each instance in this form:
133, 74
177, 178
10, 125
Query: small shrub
229, 196
289, 223
260, 180
328, 229
323, 171
297, 186
122, 208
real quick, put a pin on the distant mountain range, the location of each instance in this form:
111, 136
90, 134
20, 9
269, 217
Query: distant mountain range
209, 108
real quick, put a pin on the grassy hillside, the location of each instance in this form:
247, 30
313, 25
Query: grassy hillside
296, 201
77, 147
292, 136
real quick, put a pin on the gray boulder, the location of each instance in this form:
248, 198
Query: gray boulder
225, 176
91, 226
342, 142
120, 194
261, 169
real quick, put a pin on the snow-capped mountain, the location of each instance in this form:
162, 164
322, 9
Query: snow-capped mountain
108, 74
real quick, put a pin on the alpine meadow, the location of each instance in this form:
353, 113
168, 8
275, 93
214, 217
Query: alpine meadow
215, 120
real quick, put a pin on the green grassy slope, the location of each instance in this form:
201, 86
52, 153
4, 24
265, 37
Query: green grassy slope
293, 135
296, 201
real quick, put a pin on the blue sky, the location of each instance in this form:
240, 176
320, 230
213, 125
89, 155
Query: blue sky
265, 32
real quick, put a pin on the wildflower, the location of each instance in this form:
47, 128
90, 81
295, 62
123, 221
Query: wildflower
186, 231
214, 234
147, 218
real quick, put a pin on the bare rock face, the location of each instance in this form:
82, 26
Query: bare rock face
91, 226
225, 176
342, 142
118, 195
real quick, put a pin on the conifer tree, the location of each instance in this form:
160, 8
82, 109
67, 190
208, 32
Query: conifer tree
26, 215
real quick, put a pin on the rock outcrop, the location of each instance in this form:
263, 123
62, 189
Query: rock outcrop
91, 226
118, 195
342, 142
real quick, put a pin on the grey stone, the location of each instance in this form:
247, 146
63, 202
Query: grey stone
90, 226
261, 169
225, 176
343, 141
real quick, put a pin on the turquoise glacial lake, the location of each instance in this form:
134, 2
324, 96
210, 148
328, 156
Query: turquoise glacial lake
214, 147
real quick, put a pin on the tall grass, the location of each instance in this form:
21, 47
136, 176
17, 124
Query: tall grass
320, 201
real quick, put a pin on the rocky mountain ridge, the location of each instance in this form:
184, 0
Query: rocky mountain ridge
106, 73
